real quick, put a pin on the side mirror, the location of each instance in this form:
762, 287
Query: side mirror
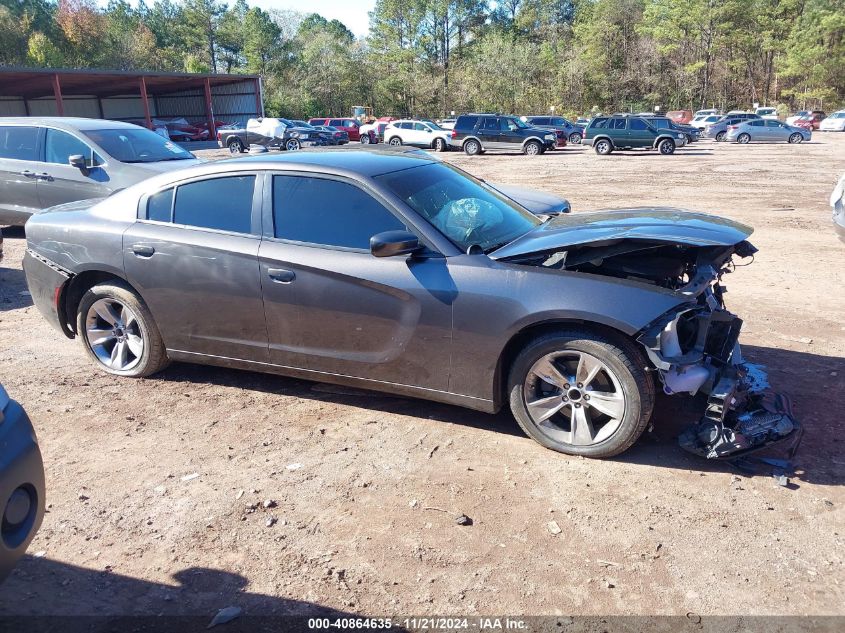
78, 161
391, 243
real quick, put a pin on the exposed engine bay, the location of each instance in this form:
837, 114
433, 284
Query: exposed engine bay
694, 348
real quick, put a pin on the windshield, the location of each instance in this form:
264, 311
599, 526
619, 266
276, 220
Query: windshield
837, 115
137, 145
459, 206
303, 124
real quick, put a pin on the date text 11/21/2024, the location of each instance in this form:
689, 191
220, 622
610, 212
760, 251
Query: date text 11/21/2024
420, 624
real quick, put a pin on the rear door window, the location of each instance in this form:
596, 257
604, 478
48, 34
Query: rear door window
491, 124
638, 124
336, 123
224, 204
328, 212
616, 124
18, 142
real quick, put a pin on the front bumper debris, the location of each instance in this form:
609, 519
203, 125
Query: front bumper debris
742, 416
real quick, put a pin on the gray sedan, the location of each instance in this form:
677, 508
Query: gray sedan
766, 130
46, 161
401, 273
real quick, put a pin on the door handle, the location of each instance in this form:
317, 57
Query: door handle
44, 176
143, 251
28, 174
281, 275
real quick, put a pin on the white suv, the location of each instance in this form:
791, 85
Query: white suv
418, 133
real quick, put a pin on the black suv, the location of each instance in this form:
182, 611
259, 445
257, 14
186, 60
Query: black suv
607, 133
476, 133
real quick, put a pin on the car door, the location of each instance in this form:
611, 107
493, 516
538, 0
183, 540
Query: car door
776, 131
423, 135
63, 182
18, 169
490, 132
193, 256
639, 133
334, 308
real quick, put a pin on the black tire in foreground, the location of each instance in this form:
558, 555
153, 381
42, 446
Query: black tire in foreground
581, 393
118, 331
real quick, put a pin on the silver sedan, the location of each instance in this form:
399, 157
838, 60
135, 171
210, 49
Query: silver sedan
764, 130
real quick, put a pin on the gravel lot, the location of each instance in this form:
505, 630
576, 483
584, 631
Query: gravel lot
367, 524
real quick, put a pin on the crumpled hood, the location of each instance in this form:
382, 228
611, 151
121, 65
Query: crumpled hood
645, 223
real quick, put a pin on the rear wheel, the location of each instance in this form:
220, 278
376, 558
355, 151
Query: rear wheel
581, 393
236, 146
395, 141
603, 147
532, 148
795, 138
666, 146
743, 138
575, 138
118, 331
720, 136
472, 147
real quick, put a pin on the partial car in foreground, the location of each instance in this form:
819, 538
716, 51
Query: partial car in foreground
401, 273
837, 201
22, 490
766, 131
47, 161
833, 123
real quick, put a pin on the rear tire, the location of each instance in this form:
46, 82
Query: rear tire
603, 147
236, 146
743, 138
472, 147
145, 353
600, 426
666, 146
795, 138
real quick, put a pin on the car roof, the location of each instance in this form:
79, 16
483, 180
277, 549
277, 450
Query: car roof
69, 123
366, 162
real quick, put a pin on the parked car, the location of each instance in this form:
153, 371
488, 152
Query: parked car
271, 133
834, 123
477, 133
336, 137
837, 201
682, 117
815, 118
447, 124
663, 122
327, 137
767, 113
606, 134
371, 268
706, 112
22, 489
47, 161
565, 129
719, 129
703, 121
349, 125
371, 133
416, 133
760, 130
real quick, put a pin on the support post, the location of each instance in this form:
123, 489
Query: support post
209, 111
259, 102
145, 102
57, 93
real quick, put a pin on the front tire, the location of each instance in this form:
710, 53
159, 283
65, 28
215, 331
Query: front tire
743, 138
666, 146
581, 393
720, 137
118, 331
532, 148
575, 138
292, 145
395, 141
365, 139
603, 147
795, 138
439, 145
472, 147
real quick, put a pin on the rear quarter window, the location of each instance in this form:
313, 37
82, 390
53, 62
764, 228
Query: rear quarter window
18, 142
599, 124
466, 122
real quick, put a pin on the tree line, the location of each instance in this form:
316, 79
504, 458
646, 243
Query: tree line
432, 57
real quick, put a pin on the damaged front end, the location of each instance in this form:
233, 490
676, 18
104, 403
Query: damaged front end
695, 349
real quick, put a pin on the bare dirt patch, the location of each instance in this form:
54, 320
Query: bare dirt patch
367, 488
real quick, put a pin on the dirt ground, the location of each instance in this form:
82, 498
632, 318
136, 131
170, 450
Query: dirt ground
366, 488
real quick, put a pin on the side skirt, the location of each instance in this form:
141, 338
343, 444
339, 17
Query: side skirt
469, 402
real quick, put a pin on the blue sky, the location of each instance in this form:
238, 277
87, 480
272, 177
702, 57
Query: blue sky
353, 13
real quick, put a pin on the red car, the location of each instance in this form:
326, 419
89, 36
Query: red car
350, 126
680, 116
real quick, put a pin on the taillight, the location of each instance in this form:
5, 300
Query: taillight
454, 134
219, 138
732, 127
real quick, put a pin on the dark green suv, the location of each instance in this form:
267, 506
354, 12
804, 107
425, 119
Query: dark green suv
607, 133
